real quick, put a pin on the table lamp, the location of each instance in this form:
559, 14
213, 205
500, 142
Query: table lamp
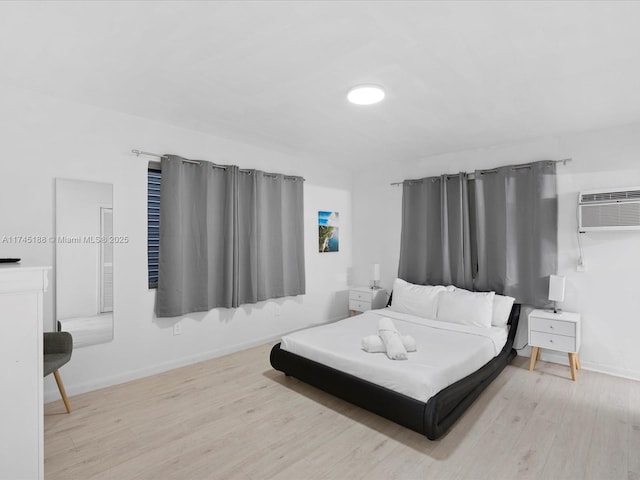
556, 291
376, 276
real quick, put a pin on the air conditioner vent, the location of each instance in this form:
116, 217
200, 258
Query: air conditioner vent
610, 209
595, 197
611, 215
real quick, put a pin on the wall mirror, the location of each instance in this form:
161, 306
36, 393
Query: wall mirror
84, 260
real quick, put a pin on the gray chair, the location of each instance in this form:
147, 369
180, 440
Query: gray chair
57, 351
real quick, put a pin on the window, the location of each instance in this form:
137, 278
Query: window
154, 176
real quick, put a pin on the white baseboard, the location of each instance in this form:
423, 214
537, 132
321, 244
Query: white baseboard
563, 359
52, 394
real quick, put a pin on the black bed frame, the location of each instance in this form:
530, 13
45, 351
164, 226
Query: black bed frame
432, 418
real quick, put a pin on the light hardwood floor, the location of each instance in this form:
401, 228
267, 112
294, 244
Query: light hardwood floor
235, 417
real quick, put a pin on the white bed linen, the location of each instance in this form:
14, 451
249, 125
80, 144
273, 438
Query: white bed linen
446, 352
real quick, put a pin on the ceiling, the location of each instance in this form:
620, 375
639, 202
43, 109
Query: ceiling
458, 75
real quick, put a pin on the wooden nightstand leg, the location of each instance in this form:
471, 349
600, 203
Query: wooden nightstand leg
572, 364
535, 351
539, 353
577, 357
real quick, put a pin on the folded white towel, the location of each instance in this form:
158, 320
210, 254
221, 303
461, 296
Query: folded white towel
391, 339
374, 344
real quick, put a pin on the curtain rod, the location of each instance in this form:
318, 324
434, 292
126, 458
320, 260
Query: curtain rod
472, 174
137, 153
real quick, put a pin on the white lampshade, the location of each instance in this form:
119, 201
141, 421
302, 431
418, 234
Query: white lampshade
376, 272
556, 288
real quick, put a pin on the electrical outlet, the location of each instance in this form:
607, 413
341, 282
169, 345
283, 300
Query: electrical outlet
582, 265
177, 329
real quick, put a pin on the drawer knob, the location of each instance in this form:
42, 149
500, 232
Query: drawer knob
551, 341
551, 327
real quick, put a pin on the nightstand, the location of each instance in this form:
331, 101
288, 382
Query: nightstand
362, 299
555, 331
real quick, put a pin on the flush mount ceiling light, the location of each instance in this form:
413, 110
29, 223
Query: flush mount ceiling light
365, 94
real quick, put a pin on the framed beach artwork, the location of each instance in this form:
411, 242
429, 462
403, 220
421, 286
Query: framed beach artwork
328, 238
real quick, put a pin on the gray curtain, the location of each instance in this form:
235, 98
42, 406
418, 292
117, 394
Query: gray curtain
275, 250
516, 209
227, 237
497, 232
435, 245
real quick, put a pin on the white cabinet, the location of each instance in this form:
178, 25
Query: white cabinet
21, 409
555, 331
362, 299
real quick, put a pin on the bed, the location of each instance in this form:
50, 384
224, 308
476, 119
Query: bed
406, 401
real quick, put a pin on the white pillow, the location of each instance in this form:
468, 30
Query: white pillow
501, 310
466, 308
419, 300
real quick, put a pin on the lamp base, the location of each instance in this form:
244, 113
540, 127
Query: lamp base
375, 285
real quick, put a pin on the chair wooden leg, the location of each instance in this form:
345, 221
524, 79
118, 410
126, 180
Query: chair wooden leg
63, 393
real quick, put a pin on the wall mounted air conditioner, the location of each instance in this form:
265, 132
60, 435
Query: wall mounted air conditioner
609, 209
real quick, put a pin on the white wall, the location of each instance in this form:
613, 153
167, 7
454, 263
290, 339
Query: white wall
44, 138
607, 295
